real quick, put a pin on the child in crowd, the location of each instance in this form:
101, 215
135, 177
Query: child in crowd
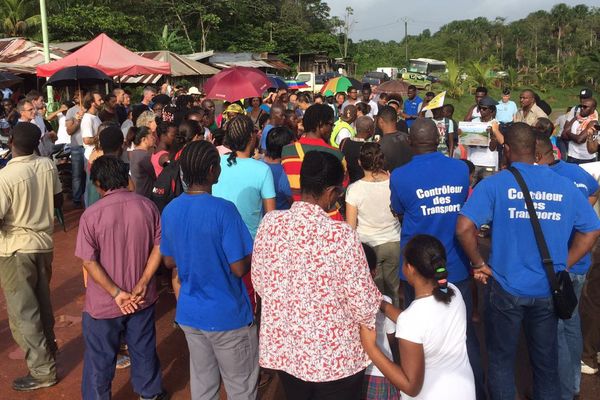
277, 138
431, 331
376, 386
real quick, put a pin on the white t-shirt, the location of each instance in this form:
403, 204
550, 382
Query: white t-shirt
482, 156
374, 108
442, 330
63, 136
89, 129
125, 127
376, 224
383, 326
344, 133
578, 150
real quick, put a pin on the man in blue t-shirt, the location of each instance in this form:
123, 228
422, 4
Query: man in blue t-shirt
570, 339
206, 242
519, 291
276, 118
428, 192
412, 106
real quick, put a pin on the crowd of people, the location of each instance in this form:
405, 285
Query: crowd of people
333, 241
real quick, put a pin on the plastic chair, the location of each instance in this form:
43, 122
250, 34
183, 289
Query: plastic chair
60, 216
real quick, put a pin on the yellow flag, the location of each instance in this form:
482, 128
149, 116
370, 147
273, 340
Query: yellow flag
436, 102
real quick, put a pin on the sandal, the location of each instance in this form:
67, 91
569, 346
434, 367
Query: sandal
123, 362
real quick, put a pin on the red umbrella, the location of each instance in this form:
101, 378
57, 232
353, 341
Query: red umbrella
237, 83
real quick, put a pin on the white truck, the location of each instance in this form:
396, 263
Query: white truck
392, 72
314, 82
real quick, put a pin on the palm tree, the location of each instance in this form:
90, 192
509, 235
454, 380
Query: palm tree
452, 80
19, 16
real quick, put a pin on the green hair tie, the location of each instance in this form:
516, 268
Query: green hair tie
441, 269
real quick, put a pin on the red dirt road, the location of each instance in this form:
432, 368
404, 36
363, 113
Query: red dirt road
68, 296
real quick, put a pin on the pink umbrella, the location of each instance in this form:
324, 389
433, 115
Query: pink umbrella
237, 83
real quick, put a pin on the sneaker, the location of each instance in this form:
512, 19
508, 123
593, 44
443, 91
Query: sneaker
586, 369
28, 383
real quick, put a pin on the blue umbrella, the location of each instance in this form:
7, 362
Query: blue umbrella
277, 82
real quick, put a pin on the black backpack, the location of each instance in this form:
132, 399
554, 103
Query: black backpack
167, 186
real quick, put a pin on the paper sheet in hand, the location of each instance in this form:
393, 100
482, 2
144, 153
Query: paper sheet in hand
473, 133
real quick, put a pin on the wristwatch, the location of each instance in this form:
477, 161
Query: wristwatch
478, 265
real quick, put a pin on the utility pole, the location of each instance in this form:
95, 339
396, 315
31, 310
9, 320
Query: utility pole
44, 18
406, 38
347, 25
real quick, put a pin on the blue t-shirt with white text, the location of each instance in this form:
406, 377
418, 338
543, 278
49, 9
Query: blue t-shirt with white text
430, 191
514, 257
411, 107
205, 235
588, 186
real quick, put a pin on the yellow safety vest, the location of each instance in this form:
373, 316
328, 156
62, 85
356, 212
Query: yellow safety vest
339, 125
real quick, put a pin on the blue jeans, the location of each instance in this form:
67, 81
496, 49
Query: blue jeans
77, 173
472, 342
504, 315
570, 347
102, 339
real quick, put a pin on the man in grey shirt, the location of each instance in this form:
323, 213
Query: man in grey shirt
73, 121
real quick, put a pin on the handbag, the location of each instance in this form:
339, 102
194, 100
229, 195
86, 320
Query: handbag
561, 286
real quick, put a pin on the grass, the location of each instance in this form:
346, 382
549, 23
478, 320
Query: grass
559, 99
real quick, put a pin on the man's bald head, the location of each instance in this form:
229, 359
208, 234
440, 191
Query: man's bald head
364, 127
520, 139
424, 136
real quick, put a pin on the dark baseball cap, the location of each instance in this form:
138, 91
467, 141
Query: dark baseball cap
586, 93
487, 101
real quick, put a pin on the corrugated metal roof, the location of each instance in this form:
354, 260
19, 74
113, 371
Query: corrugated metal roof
279, 65
251, 64
17, 68
180, 66
69, 46
200, 56
26, 52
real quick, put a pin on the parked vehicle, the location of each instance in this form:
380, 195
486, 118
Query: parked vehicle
423, 72
375, 78
314, 81
392, 72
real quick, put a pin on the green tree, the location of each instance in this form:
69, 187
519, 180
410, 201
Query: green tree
19, 17
85, 22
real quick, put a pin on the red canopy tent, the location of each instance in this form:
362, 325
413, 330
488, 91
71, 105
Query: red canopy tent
109, 57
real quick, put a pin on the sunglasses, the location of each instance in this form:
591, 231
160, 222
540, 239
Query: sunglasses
483, 108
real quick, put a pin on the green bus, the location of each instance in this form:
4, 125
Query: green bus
423, 72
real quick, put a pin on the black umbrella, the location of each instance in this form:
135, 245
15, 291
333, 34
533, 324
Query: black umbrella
7, 79
78, 74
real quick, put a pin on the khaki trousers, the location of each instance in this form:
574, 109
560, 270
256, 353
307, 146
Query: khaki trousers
386, 274
25, 280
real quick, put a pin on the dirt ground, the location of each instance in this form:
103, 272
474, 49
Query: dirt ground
68, 297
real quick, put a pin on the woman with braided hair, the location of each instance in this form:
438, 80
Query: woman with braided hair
431, 332
206, 243
246, 182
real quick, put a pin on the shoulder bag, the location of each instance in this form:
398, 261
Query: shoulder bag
561, 286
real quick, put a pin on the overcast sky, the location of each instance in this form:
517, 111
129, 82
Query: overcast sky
383, 19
